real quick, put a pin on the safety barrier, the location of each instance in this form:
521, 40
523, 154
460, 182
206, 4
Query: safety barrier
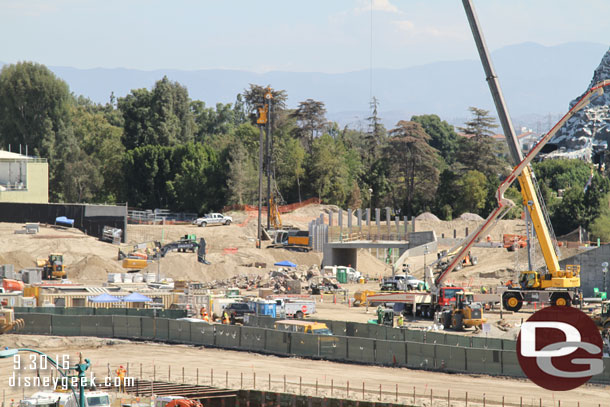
78, 311
433, 351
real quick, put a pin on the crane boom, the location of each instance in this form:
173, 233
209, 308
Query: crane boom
522, 173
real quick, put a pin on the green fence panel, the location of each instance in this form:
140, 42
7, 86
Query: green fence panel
604, 377
277, 341
378, 332
79, 311
228, 336
478, 343
485, 361
179, 331
304, 344
435, 338
510, 364
391, 353
148, 328
103, 326
361, 350
451, 358
252, 338
202, 333
65, 325
494, 343
251, 320
161, 329
110, 311
23, 310
414, 336
508, 344
134, 327
88, 326
172, 313
395, 334
333, 347
457, 340
420, 355
266, 322
119, 324
338, 328
39, 324
357, 329
141, 312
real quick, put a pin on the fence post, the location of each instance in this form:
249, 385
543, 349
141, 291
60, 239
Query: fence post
212, 377
284, 383
466, 399
254, 384
432, 398
182, 374
269, 381
332, 385
241, 386
363, 390
413, 394
347, 390
449, 397
169, 373
197, 377
154, 372
379, 391
227, 379
300, 385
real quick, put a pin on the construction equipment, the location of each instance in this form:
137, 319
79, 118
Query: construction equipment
602, 320
385, 316
8, 322
111, 235
275, 218
291, 240
134, 263
443, 260
512, 242
52, 267
465, 312
189, 243
561, 286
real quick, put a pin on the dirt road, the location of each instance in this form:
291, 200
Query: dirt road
198, 363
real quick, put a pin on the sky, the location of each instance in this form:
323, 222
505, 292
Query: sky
329, 36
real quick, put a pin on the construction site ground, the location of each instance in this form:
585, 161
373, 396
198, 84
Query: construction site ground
173, 360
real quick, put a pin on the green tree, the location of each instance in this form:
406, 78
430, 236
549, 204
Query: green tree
481, 124
562, 174
375, 135
600, 227
413, 165
310, 119
472, 188
162, 116
328, 172
290, 170
254, 98
242, 177
442, 135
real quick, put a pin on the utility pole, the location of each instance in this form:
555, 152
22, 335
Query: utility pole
262, 119
268, 99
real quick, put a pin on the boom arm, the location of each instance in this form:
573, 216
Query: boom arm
522, 172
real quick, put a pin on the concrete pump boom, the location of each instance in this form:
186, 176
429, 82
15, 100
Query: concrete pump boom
522, 173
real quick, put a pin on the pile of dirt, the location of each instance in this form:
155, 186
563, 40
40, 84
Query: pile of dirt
18, 258
370, 266
427, 216
93, 268
470, 217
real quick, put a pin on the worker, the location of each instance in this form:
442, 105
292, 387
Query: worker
379, 315
204, 314
401, 320
225, 318
120, 373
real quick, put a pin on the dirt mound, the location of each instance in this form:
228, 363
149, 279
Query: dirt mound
470, 217
18, 258
427, 216
93, 268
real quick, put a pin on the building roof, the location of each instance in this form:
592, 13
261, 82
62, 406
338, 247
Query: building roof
8, 155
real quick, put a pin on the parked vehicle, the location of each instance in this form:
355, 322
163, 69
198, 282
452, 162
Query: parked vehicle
294, 308
213, 219
341, 273
308, 327
237, 311
401, 282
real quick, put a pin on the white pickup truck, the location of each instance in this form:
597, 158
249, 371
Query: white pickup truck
213, 219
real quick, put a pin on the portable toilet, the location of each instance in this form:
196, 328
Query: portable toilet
342, 275
232, 292
266, 307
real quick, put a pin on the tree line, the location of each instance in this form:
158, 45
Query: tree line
158, 148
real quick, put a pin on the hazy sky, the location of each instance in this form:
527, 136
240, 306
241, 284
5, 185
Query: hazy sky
312, 35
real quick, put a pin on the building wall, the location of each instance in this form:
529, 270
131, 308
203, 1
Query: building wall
591, 274
36, 188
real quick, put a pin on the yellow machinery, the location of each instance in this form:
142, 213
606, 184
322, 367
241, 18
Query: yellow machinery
276, 219
464, 313
52, 267
8, 321
602, 320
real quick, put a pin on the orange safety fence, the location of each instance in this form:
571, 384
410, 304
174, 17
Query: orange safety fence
282, 208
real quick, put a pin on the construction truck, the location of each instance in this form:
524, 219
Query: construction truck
297, 240
602, 319
8, 322
419, 303
561, 287
464, 313
53, 267
468, 261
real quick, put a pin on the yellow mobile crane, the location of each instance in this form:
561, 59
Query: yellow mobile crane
555, 285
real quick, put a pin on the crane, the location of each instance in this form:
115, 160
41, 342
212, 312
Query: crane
556, 285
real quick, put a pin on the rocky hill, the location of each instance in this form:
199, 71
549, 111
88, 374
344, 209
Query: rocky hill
590, 127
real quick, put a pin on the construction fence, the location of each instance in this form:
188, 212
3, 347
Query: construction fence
85, 311
432, 351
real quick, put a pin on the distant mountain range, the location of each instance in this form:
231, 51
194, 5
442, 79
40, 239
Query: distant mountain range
536, 81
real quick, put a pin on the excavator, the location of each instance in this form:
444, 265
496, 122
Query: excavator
559, 287
136, 263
